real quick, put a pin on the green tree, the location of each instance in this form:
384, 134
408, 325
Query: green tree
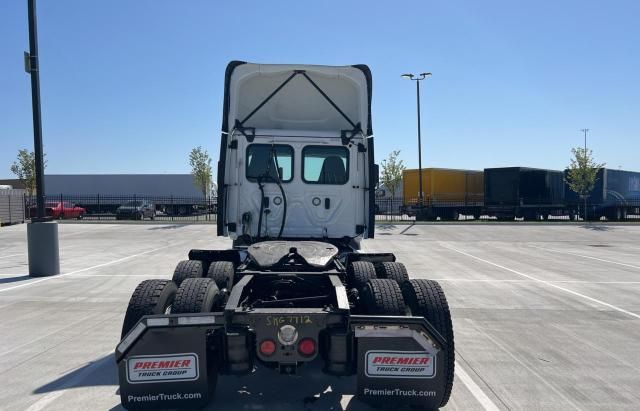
582, 173
201, 169
25, 169
392, 169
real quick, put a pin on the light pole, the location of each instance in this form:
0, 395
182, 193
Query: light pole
418, 79
585, 131
42, 234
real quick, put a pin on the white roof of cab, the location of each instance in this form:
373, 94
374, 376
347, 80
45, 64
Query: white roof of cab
298, 104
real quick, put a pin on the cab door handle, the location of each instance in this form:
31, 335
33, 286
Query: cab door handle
327, 203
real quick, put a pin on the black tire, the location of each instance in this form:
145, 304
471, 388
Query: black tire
425, 298
195, 295
383, 297
150, 297
359, 273
222, 273
187, 269
393, 271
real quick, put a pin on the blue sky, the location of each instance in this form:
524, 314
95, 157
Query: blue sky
132, 86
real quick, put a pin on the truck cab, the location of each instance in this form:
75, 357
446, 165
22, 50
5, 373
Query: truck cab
296, 154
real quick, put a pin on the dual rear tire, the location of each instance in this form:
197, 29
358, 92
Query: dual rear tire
419, 298
360, 272
187, 292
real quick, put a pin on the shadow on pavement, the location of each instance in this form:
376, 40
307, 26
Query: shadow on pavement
597, 227
95, 373
168, 227
385, 226
267, 390
5, 280
262, 390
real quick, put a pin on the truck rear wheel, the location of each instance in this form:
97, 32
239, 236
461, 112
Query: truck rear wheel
187, 269
195, 295
222, 273
425, 298
393, 271
359, 273
150, 297
383, 297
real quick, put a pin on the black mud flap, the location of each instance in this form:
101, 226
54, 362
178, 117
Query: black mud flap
400, 360
166, 361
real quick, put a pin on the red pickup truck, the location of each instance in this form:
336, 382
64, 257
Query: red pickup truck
60, 210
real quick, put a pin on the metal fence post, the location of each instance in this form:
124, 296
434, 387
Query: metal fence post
172, 210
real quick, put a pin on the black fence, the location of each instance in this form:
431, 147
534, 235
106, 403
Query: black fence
390, 209
127, 207
204, 209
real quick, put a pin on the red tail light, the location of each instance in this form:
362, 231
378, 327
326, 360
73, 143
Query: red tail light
307, 347
267, 347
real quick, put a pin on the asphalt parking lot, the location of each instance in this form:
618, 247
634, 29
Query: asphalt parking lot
545, 316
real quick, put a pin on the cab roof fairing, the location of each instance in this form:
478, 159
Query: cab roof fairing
297, 105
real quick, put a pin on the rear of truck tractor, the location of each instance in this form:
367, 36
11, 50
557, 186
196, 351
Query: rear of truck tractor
296, 184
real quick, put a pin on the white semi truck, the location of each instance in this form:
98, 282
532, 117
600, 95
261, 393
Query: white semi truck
296, 189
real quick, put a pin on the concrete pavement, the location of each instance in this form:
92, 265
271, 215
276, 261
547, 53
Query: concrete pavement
545, 316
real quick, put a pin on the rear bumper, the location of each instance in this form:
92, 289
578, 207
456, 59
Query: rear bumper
173, 361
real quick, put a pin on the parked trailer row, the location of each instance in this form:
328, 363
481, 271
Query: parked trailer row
526, 193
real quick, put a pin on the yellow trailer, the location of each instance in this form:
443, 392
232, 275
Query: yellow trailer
447, 193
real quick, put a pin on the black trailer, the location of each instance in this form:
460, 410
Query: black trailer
522, 192
616, 195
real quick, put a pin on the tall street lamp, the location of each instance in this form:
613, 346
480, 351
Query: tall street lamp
42, 234
417, 79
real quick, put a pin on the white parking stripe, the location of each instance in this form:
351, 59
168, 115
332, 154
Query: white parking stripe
474, 389
549, 283
468, 280
85, 269
587, 256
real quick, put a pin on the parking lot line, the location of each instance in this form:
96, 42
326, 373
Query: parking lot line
549, 283
586, 256
85, 269
469, 280
474, 389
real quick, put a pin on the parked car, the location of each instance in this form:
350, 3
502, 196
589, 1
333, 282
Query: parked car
136, 210
60, 210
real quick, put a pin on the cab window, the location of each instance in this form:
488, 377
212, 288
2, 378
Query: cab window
269, 162
325, 165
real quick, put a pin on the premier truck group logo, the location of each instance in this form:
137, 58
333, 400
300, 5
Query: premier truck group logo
162, 368
400, 364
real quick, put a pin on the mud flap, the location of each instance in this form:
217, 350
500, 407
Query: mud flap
164, 362
399, 362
